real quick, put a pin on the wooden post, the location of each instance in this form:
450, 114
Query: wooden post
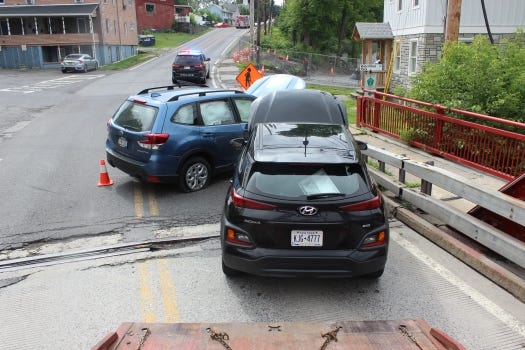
453, 19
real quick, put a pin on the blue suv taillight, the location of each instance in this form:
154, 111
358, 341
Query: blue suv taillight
153, 141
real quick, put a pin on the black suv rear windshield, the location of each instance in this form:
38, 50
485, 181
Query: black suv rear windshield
186, 59
135, 116
296, 135
313, 181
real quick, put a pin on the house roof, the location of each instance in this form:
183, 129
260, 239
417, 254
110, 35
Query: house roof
363, 31
66, 10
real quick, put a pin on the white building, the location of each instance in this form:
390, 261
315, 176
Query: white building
418, 28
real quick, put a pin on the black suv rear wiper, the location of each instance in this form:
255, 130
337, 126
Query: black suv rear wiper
325, 195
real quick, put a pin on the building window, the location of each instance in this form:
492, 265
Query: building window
107, 25
150, 8
30, 2
397, 58
415, 3
115, 25
412, 59
399, 5
125, 29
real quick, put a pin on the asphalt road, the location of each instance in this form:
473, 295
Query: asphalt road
74, 304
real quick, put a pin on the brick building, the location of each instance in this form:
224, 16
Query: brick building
40, 33
154, 14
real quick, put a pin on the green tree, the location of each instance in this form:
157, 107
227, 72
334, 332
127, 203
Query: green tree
479, 77
326, 26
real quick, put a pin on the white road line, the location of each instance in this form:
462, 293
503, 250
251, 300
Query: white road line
143, 63
477, 297
51, 84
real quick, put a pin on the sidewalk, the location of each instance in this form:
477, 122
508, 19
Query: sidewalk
507, 275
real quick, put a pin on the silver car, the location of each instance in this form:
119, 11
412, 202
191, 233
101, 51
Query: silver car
78, 62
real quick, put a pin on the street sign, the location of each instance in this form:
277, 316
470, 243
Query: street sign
248, 76
371, 67
370, 82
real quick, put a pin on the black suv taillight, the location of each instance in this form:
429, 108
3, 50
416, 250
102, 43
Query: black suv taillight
243, 202
370, 204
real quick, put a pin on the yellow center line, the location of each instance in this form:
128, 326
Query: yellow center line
147, 298
153, 209
169, 295
139, 204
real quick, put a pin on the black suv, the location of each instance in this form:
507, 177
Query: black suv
190, 65
301, 201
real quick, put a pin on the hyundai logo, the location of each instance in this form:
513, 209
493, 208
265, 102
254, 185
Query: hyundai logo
307, 210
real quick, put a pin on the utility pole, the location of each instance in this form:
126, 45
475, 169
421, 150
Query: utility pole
452, 21
252, 21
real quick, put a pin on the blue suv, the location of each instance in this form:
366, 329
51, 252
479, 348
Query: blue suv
178, 134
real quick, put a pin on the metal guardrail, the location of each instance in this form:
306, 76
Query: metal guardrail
493, 145
500, 203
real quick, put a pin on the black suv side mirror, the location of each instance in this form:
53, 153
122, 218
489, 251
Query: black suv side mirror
362, 145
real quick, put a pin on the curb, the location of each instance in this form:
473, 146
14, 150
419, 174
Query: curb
469, 255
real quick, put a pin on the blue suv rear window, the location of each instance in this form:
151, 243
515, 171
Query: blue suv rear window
136, 117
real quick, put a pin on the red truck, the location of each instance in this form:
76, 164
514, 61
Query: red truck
242, 21
364, 335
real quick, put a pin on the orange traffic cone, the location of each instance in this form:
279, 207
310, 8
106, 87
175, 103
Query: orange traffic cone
104, 179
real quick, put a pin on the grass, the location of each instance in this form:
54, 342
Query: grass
163, 41
171, 40
130, 61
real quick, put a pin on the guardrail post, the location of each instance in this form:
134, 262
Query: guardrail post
359, 109
382, 167
377, 109
426, 187
402, 173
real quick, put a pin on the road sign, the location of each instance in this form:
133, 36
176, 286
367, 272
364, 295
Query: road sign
248, 76
370, 82
371, 67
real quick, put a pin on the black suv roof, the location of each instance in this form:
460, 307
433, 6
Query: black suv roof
298, 106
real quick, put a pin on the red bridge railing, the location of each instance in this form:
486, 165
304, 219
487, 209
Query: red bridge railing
493, 145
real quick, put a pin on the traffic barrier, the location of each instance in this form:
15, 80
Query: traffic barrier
104, 179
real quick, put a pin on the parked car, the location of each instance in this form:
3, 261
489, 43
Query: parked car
190, 65
275, 82
221, 25
177, 134
78, 62
301, 201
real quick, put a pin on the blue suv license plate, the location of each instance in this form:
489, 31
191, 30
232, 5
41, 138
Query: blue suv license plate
122, 142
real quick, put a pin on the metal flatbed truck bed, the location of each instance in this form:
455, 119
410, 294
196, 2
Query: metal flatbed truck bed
348, 335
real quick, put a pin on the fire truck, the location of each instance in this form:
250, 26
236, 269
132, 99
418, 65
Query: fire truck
242, 21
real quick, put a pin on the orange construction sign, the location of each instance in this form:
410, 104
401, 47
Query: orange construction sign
248, 76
